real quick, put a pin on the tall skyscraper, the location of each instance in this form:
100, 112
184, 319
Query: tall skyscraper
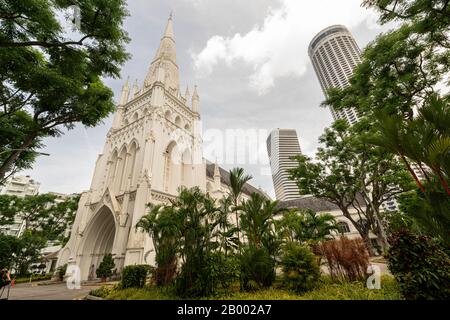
334, 54
282, 144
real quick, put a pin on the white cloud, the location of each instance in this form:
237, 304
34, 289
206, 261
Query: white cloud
278, 47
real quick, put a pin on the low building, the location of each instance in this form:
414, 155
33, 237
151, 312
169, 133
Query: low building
322, 206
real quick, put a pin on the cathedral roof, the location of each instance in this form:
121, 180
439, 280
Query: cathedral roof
248, 189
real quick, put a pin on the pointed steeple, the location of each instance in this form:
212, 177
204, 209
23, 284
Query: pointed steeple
125, 93
118, 115
187, 95
169, 28
195, 100
216, 176
135, 89
166, 56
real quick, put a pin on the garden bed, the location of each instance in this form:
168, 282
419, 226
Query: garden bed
325, 290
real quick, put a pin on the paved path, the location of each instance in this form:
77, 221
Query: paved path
26, 291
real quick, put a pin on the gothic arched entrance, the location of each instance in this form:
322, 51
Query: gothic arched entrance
99, 240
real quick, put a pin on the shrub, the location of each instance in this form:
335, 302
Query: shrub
420, 266
135, 276
300, 268
104, 270
61, 271
257, 268
103, 291
224, 269
346, 259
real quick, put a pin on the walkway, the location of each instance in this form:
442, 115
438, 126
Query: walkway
26, 291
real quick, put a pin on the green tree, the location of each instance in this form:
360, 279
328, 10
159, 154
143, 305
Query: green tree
27, 251
162, 224
237, 182
227, 231
197, 233
300, 269
352, 174
397, 86
9, 246
428, 213
105, 269
51, 78
7, 209
257, 218
42, 214
306, 226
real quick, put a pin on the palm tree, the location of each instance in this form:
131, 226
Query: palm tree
306, 225
317, 227
227, 231
162, 225
424, 139
237, 182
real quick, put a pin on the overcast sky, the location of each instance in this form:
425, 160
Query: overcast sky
250, 62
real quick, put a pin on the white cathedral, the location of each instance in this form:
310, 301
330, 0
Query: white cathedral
153, 148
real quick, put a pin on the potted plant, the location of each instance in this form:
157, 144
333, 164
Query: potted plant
105, 268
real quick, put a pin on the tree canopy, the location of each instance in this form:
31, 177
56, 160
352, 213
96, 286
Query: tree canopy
51, 76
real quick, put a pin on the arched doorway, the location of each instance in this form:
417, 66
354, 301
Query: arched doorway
99, 241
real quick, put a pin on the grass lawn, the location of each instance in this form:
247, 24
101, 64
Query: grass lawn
326, 290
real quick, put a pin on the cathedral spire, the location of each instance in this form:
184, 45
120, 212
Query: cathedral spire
125, 93
166, 56
216, 176
169, 28
195, 100
135, 89
187, 95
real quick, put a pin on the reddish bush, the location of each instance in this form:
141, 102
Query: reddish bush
346, 259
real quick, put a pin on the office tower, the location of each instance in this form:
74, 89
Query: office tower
282, 144
334, 54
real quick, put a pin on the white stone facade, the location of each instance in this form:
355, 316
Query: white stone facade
153, 148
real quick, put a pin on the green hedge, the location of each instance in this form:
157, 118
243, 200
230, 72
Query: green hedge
135, 276
39, 277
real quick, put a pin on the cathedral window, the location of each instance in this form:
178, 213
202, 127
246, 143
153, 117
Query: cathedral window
178, 121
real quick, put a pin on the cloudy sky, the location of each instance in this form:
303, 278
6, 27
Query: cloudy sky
249, 59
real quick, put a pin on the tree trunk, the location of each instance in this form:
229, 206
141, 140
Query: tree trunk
6, 165
413, 173
368, 243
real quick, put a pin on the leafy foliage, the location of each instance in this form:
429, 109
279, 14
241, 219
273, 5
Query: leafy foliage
257, 268
300, 268
420, 266
135, 276
105, 268
162, 225
347, 167
428, 212
42, 214
61, 271
306, 226
198, 231
51, 77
